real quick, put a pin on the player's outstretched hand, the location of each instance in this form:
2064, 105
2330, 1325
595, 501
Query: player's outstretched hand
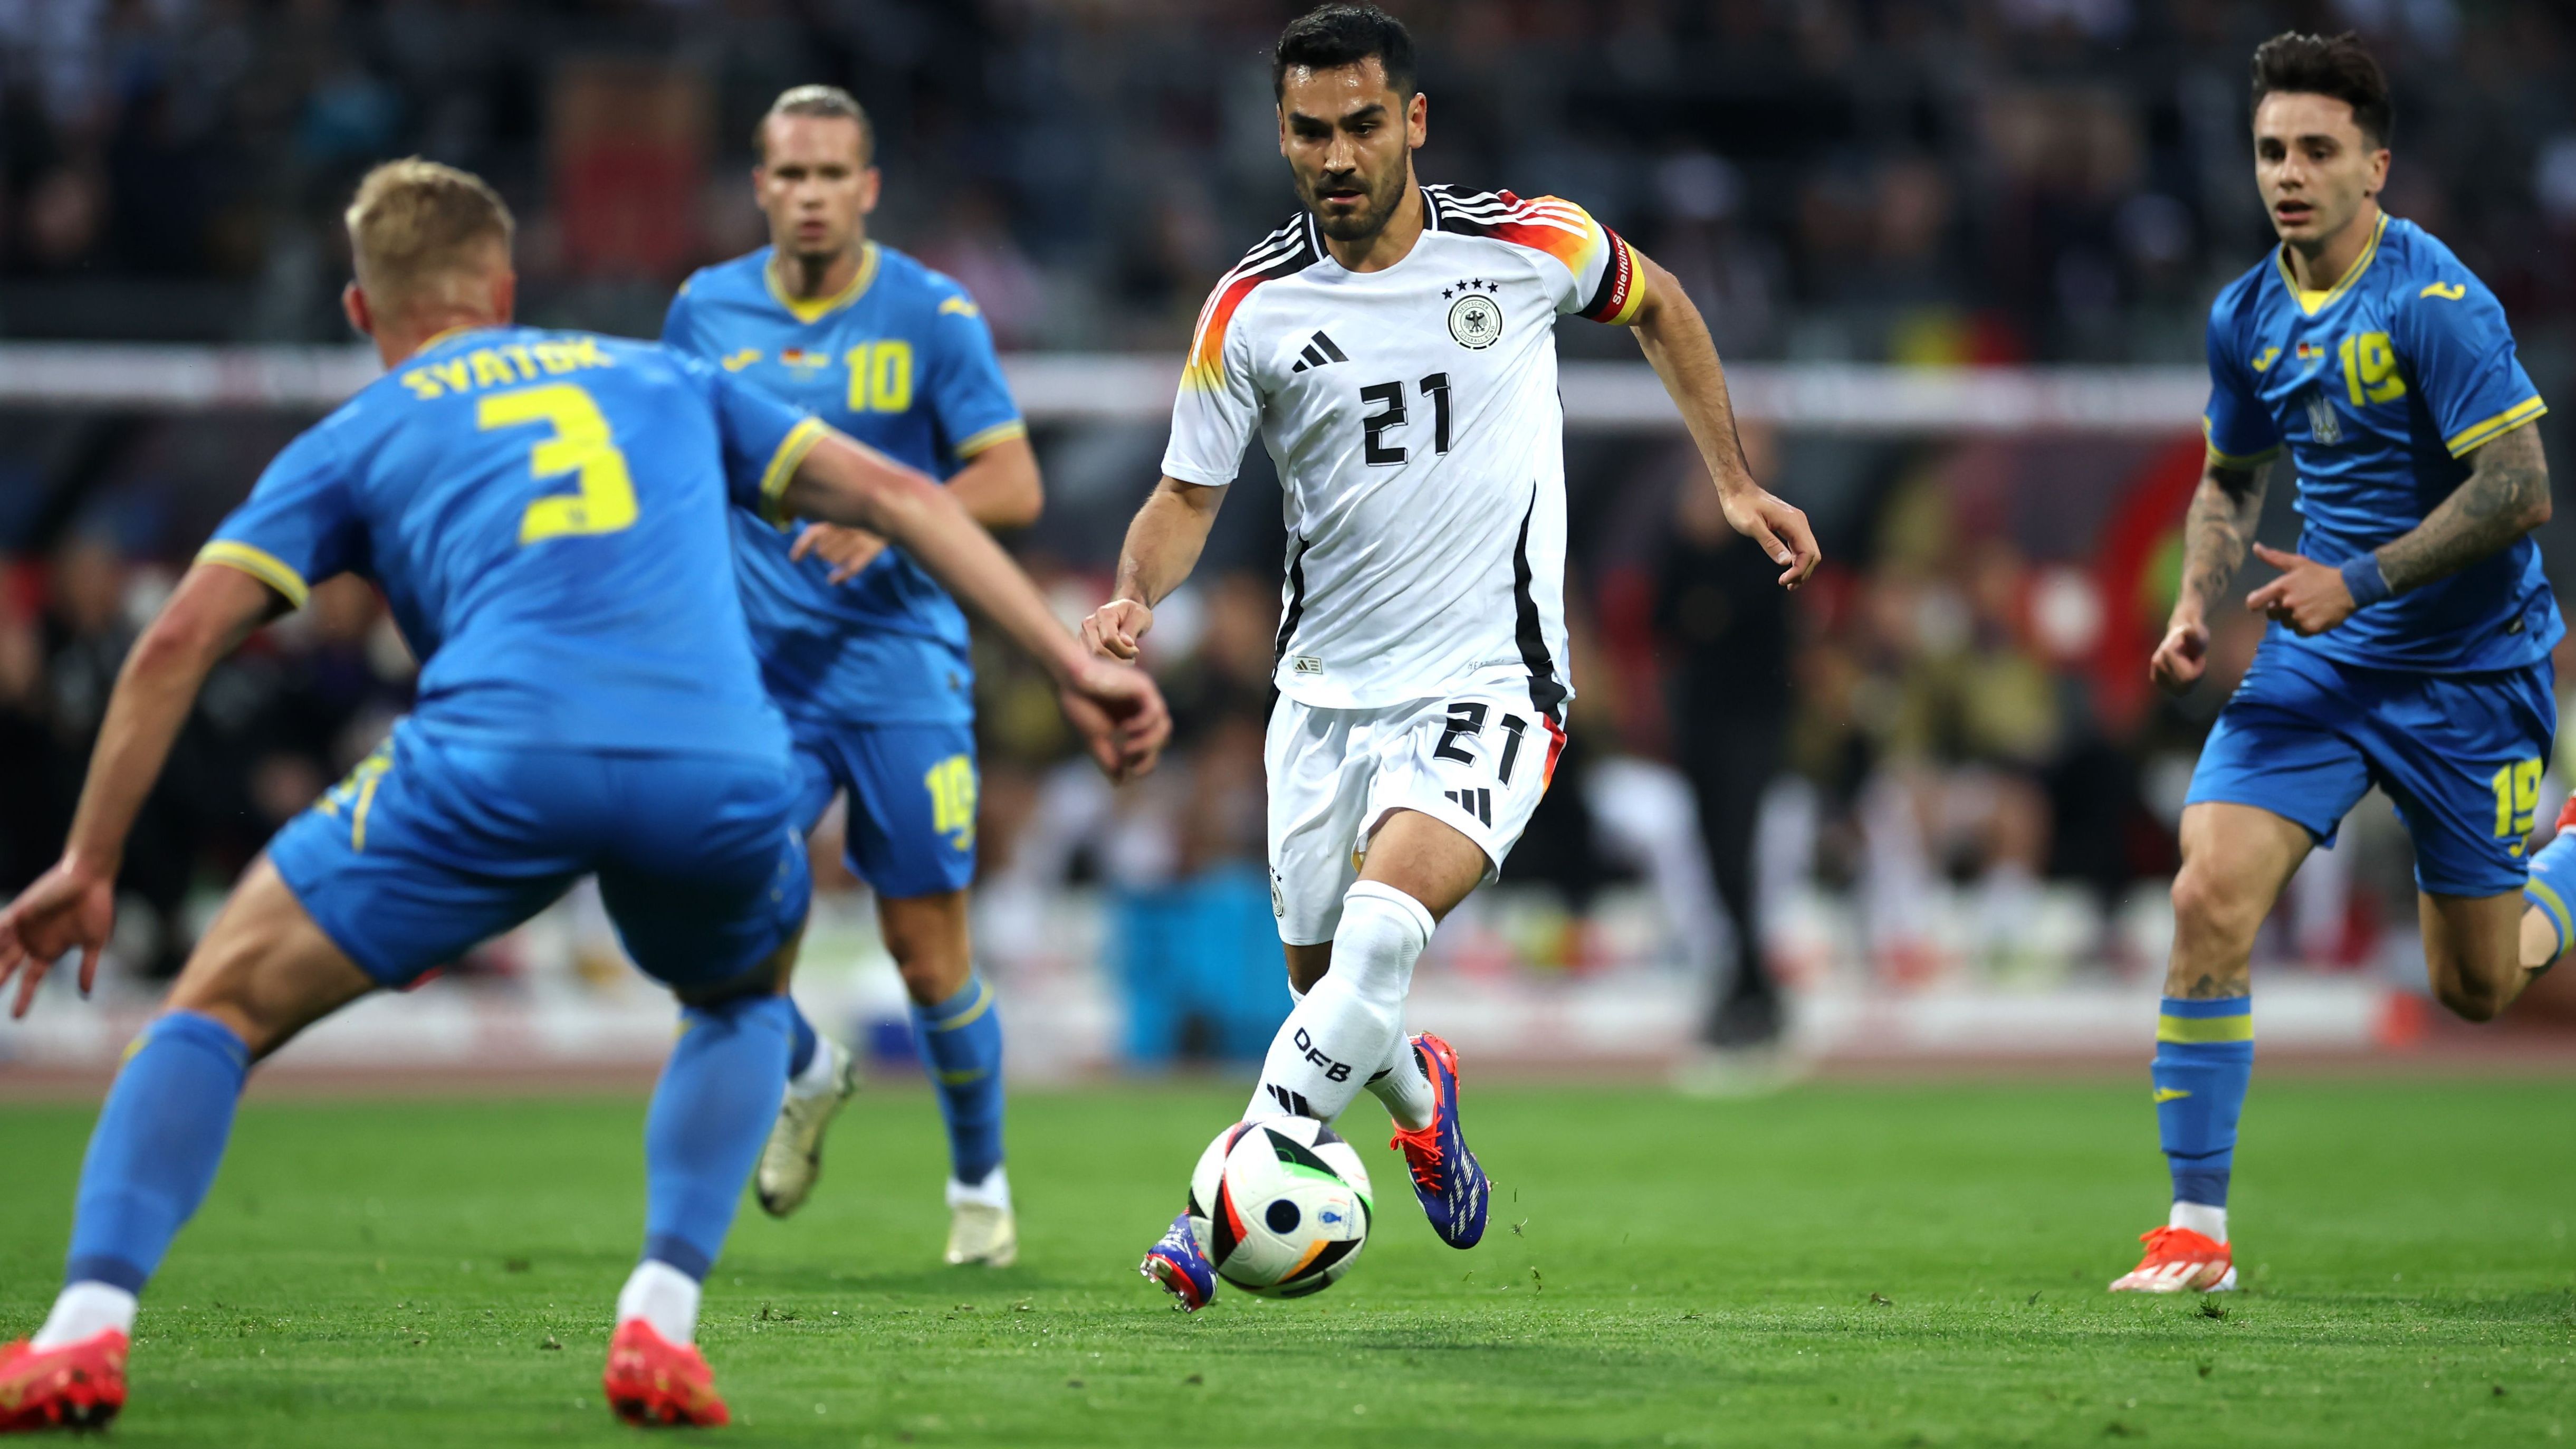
1114, 628
70, 905
2309, 597
2181, 658
847, 550
1120, 715
1779, 528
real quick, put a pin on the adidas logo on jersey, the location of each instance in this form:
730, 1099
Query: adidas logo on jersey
1478, 802
1319, 351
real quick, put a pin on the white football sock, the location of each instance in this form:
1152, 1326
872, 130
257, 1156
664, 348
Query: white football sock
2200, 1217
1403, 1086
1344, 1030
664, 1297
83, 1310
993, 1192
1401, 1083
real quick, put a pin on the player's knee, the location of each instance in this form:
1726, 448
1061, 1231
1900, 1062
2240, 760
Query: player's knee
1307, 965
2207, 905
2470, 1000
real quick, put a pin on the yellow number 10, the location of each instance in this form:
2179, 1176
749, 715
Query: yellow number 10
581, 445
2517, 792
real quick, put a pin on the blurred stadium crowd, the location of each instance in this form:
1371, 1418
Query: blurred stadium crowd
1941, 759
1923, 180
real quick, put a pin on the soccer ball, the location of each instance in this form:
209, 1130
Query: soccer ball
1280, 1206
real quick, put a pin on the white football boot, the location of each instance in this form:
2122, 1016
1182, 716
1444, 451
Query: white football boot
981, 1228
794, 1156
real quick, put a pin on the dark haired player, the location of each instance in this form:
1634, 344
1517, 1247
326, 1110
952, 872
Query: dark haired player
864, 654
2411, 632
1394, 345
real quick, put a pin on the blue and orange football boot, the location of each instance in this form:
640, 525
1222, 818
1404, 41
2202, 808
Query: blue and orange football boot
77, 1386
651, 1380
1446, 1176
1176, 1263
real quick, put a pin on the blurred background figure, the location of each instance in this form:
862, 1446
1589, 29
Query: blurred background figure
1719, 606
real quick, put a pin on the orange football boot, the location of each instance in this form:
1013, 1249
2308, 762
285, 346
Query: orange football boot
2179, 1260
78, 1386
652, 1381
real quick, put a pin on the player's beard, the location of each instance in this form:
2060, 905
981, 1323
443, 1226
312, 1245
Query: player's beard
1385, 193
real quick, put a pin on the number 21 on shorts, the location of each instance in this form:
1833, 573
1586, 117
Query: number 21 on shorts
2517, 800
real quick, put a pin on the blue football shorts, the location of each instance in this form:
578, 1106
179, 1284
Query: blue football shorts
2305, 736
431, 846
912, 791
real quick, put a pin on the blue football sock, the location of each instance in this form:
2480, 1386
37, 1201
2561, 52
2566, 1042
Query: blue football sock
2552, 887
710, 1116
961, 1048
154, 1152
2204, 1061
802, 1044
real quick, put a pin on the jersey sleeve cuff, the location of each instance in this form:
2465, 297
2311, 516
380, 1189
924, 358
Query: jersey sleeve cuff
973, 443
2218, 454
2478, 435
1622, 290
800, 440
1200, 477
260, 564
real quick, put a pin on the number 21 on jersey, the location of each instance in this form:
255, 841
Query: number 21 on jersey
1391, 415
582, 446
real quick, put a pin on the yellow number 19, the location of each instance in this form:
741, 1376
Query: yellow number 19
581, 445
2370, 368
2517, 792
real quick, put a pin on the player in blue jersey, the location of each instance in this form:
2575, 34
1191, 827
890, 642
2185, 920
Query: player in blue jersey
544, 513
2410, 635
860, 648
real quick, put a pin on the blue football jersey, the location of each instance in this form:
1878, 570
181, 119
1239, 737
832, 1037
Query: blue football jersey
545, 512
2379, 387
902, 361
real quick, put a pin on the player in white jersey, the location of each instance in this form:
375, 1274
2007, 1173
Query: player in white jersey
1395, 348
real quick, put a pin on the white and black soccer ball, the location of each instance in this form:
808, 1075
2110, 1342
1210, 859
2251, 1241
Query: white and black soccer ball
1281, 1206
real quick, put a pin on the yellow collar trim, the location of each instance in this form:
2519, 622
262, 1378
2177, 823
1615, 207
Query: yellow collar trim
805, 309
2312, 303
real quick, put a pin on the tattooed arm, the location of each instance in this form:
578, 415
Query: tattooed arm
2505, 496
2224, 512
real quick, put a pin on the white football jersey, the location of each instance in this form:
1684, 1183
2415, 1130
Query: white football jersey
1414, 419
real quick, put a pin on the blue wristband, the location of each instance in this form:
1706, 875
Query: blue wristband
2361, 575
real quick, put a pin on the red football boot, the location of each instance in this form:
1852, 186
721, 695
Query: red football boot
2179, 1260
78, 1386
652, 1381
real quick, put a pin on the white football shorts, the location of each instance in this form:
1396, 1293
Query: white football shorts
1477, 759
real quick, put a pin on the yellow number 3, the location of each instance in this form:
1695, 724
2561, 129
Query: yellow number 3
2517, 792
582, 445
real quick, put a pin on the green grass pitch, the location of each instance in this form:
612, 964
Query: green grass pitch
1842, 1264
